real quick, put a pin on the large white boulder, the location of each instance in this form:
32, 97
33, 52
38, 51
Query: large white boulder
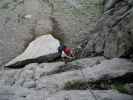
41, 46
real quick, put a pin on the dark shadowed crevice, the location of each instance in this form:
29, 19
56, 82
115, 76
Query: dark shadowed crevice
64, 68
101, 84
41, 59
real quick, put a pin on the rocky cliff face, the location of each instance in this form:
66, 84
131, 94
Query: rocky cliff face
40, 73
113, 35
72, 81
37, 74
21, 21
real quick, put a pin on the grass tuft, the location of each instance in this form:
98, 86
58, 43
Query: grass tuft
122, 88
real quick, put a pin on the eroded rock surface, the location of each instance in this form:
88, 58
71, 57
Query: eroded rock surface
39, 81
69, 21
113, 34
50, 76
21, 21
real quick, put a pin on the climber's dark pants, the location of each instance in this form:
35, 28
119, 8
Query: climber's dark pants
66, 60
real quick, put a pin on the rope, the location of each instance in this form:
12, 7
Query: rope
88, 87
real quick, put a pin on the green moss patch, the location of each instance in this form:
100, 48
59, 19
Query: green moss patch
122, 88
84, 85
96, 85
5, 6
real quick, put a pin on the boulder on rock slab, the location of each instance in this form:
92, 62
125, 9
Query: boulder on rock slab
41, 46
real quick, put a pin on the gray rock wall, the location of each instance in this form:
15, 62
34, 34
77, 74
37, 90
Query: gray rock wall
113, 35
76, 18
21, 21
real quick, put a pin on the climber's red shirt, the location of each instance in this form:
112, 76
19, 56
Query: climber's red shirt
69, 52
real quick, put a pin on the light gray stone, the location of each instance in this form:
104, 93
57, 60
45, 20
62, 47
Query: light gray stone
130, 88
88, 62
41, 46
107, 70
86, 95
29, 84
21, 21
75, 19
16, 31
113, 34
6, 93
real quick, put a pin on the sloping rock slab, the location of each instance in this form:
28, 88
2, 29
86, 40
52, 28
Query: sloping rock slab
109, 69
15, 93
115, 69
86, 95
77, 64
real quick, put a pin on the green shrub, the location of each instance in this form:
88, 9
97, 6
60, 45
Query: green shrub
100, 85
76, 85
120, 88
83, 85
5, 6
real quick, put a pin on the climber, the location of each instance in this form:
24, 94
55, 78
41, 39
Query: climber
66, 53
